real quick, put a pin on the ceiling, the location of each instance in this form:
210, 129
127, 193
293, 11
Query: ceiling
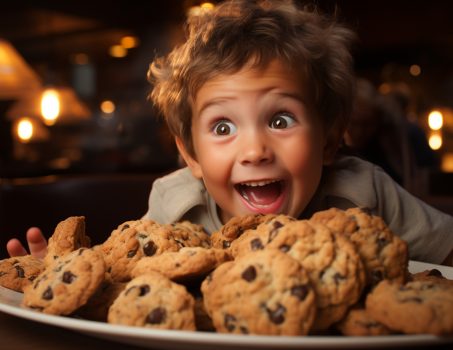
50, 32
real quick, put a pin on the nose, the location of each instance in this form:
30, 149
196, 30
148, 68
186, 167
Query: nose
255, 150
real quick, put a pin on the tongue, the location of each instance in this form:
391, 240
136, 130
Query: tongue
261, 195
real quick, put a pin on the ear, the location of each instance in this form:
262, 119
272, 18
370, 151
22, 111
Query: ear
331, 145
191, 162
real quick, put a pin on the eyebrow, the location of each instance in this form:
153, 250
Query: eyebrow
218, 100
215, 101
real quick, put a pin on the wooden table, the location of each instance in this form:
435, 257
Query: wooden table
20, 334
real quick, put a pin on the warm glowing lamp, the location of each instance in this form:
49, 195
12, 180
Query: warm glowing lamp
25, 129
30, 130
118, 51
16, 76
435, 120
50, 106
56, 105
107, 107
435, 141
129, 42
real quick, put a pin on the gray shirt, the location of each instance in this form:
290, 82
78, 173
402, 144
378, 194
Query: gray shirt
348, 182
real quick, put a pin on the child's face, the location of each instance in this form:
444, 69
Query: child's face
258, 148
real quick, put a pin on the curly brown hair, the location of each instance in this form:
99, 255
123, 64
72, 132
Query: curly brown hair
239, 32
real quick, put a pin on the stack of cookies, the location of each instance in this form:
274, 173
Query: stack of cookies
340, 272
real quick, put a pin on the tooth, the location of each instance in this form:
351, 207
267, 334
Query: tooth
258, 183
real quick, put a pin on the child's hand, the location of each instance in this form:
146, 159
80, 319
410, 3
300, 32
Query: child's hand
36, 243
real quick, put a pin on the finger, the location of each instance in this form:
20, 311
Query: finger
15, 248
36, 242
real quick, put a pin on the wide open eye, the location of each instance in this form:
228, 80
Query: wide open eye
281, 121
224, 127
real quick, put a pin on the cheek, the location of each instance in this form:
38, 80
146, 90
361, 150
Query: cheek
215, 166
303, 155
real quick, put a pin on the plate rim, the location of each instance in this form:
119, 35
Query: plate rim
177, 337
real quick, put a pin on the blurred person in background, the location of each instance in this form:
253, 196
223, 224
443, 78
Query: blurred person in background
381, 132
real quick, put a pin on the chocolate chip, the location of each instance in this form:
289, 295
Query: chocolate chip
181, 244
435, 272
381, 243
144, 289
68, 277
239, 231
244, 330
277, 316
256, 244
284, 248
338, 277
249, 273
275, 228
20, 271
42, 277
48, 294
299, 292
156, 316
2, 273
277, 224
131, 253
376, 277
125, 226
150, 248
228, 321
226, 244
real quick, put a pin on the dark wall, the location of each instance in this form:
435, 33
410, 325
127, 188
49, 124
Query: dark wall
105, 201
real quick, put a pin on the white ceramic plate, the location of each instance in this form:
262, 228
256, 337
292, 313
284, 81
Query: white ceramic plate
10, 301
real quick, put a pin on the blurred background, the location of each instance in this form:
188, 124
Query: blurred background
73, 89
95, 54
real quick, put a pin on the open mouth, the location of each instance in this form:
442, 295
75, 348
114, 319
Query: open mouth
262, 194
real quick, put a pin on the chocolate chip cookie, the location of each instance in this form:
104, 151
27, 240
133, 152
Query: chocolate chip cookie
69, 235
133, 240
263, 292
332, 263
97, 306
19, 271
433, 275
235, 227
188, 234
67, 283
413, 308
186, 264
259, 238
358, 322
384, 254
152, 300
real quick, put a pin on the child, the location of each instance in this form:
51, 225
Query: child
258, 98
